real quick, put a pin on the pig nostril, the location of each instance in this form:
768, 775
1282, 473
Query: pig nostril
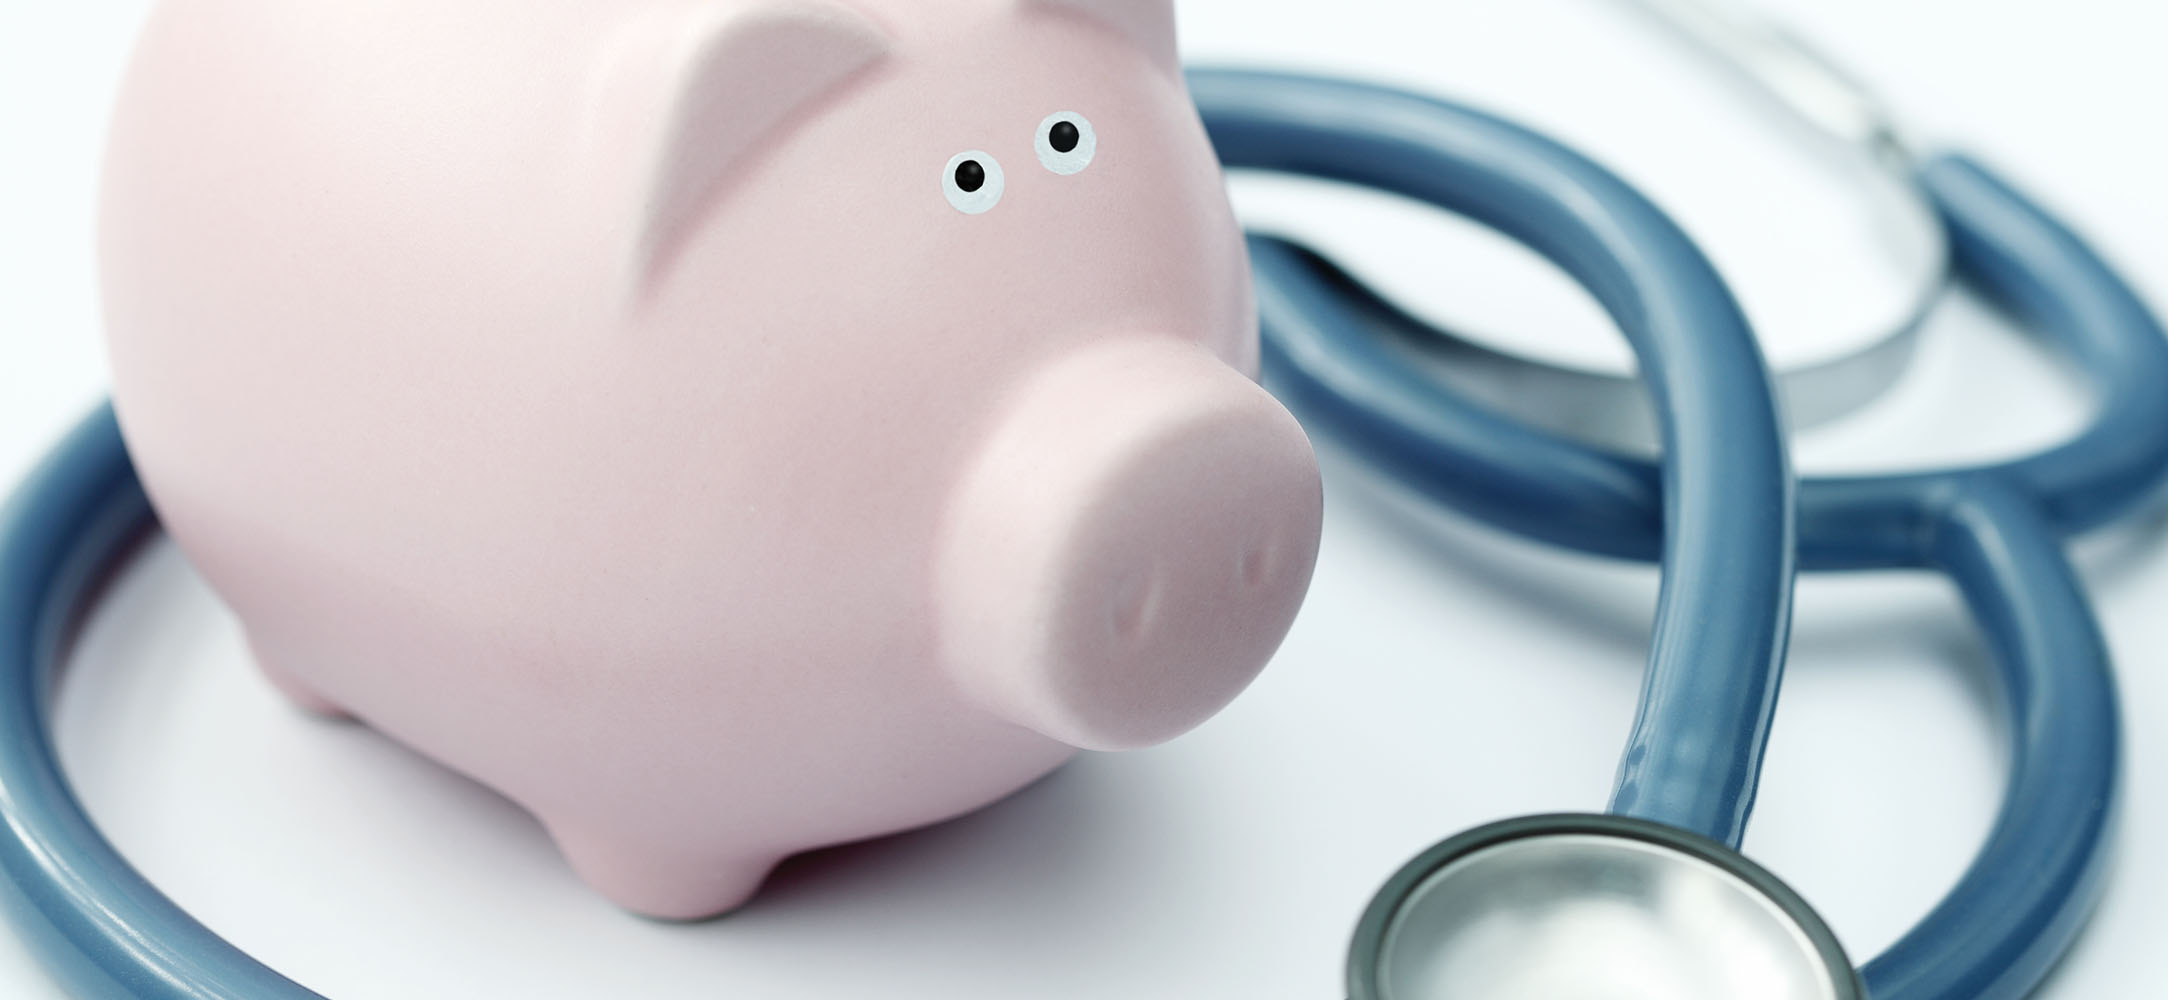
1132, 604
1256, 564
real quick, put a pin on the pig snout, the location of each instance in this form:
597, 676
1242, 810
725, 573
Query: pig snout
1128, 547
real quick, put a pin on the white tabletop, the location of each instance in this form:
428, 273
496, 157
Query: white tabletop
1439, 676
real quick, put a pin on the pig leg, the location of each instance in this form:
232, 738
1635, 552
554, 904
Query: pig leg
296, 690
664, 882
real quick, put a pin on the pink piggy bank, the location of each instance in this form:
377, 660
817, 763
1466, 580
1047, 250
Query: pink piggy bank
725, 427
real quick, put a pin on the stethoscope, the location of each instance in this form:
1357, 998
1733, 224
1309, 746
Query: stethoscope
1653, 898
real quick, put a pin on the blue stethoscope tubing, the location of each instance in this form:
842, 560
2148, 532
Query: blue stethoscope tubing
1725, 488
1994, 530
1718, 512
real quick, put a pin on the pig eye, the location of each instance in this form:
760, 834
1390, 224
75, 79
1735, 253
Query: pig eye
972, 181
1066, 142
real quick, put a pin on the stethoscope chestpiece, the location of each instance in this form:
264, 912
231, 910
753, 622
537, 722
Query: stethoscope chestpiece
1595, 908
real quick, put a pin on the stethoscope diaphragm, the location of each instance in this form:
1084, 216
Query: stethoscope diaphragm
1598, 907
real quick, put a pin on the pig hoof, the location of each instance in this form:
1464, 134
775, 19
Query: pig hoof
662, 884
295, 689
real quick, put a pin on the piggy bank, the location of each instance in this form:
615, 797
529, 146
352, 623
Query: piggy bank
725, 427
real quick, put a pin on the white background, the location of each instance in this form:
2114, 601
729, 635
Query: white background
1439, 676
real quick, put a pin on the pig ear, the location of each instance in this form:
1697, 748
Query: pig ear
1149, 23
704, 86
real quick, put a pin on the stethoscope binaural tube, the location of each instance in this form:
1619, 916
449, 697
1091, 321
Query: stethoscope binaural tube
1994, 530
